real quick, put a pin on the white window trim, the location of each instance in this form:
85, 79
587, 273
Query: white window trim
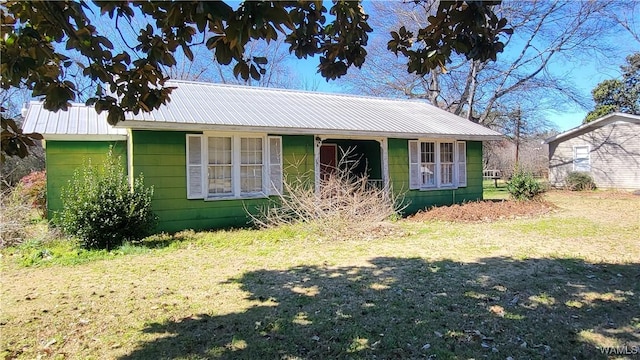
267, 187
575, 149
456, 183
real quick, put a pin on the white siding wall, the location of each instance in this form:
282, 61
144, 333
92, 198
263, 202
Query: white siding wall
614, 156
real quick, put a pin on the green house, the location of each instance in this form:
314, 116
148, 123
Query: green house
216, 151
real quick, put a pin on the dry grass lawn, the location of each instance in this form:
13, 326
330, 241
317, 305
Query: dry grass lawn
560, 285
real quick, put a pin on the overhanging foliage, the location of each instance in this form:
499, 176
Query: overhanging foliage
32, 31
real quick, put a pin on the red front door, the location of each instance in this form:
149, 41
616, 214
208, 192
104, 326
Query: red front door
328, 160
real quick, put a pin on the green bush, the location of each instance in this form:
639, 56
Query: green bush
579, 181
523, 186
100, 208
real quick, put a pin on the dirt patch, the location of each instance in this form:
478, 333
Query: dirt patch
485, 211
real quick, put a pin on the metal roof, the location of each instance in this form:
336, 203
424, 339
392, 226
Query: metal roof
600, 122
79, 122
198, 106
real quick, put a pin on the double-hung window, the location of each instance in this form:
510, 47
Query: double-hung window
233, 166
251, 165
428, 163
219, 166
437, 164
581, 158
446, 164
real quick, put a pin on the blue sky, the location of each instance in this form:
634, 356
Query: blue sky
584, 73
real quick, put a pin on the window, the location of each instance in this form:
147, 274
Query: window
581, 158
219, 169
428, 163
434, 164
233, 166
251, 169
446, 164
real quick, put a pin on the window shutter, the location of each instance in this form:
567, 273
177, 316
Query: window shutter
194, 167
462, 163
414, 165
275, 165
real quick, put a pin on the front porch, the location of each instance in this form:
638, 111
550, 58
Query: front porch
361, 158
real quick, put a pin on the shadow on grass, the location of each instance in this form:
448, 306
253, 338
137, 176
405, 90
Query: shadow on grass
409, 308
165, 240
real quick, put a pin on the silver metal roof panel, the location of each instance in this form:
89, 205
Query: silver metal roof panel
79, 122
198, 106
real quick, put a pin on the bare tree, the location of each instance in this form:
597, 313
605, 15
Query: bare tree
14, 167
564, 34
279, 70
12, 100
628, 18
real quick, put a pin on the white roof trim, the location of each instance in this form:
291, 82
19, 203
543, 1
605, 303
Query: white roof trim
166, 126
71, 137
605, 120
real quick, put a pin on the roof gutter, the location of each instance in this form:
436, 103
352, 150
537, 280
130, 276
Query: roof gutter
80, 137
164, 126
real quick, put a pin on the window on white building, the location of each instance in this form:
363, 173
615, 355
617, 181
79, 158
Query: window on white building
581, 158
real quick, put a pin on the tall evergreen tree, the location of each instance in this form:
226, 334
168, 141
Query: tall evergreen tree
618, 95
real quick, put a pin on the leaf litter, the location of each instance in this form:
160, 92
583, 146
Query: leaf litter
485, 211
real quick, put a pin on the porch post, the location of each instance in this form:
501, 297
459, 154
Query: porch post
317, 142
384, 151
130, 174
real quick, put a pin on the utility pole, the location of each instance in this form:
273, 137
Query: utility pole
518, 119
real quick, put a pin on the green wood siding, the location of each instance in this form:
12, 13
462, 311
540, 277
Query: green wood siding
420, 199
297, 157
161, 157
64, 157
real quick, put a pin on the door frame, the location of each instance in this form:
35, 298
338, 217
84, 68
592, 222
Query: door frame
384, 155
335, 160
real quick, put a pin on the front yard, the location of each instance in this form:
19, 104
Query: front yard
565, 284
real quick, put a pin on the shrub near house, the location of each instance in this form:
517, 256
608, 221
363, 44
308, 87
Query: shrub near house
102, 210
523, 186
579, 181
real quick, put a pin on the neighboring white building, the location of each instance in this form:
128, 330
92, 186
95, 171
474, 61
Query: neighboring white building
607, 148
